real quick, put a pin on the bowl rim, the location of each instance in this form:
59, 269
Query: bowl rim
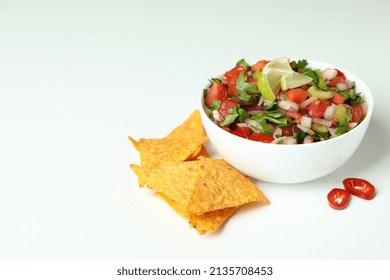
367, 96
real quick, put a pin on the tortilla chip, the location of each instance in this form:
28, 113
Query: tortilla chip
201, 152
222, 187
208, 222
134, 142
177, 182
181, 144
137, 170
191, 129
204, 191
179, 209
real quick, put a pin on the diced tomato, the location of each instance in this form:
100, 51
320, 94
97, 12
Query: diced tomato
295, 115
357, 113
258, 66
232, 90
231, 76
360, 188
338, 198
304, 111
225, 107
241, 131
296, 95
340, 78
341, 74
287, 130
281, 96
317, 108
216, 92
336, 80
261, 137
338, 98
252, 80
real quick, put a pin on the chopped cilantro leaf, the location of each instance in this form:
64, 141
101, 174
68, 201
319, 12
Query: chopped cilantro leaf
215, 106
342, 126
273, 116
355, 99
300, 136
243, 63
228, 119
315, 75
351, 98
321, 84
215, 81
242, 115
318, 136
234, 113
244, 88
205, 92
301, 64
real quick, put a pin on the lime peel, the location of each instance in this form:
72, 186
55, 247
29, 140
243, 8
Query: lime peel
277, 74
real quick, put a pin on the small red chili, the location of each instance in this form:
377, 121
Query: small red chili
338, 198
360, 188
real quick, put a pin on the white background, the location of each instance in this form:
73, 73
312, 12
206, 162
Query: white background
78, 77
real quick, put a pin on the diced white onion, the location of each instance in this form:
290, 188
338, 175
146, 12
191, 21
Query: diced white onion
289, 140
328, 74
253, 124
342, 86
332, 131
330, 111
242, 125
322, 121
303, 128
288, 105
267, 102
349, 84
278, 131
308, 139
307, 102
216, 115
278, 140
306, 121
261, 100
364, 107
352, 125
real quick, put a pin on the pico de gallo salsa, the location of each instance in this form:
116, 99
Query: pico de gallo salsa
325, 108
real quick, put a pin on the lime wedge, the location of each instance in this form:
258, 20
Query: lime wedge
294, 80
277, 74
280, 65
268, 85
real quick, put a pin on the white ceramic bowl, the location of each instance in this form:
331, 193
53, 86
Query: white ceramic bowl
290, 163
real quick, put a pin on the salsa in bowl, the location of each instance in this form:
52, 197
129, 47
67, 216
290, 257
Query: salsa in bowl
291, 121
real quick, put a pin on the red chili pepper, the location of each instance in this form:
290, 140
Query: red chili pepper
338, 198
360, 188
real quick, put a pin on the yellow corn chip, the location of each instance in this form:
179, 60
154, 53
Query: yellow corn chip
177, 182
201, 152
181, 144
208, 222
189, 130
140, 174
204, 191
222, 187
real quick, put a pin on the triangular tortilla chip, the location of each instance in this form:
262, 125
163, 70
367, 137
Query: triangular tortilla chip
222, 187
204, 191
177, 182
201, 152
181, 144
208, 222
